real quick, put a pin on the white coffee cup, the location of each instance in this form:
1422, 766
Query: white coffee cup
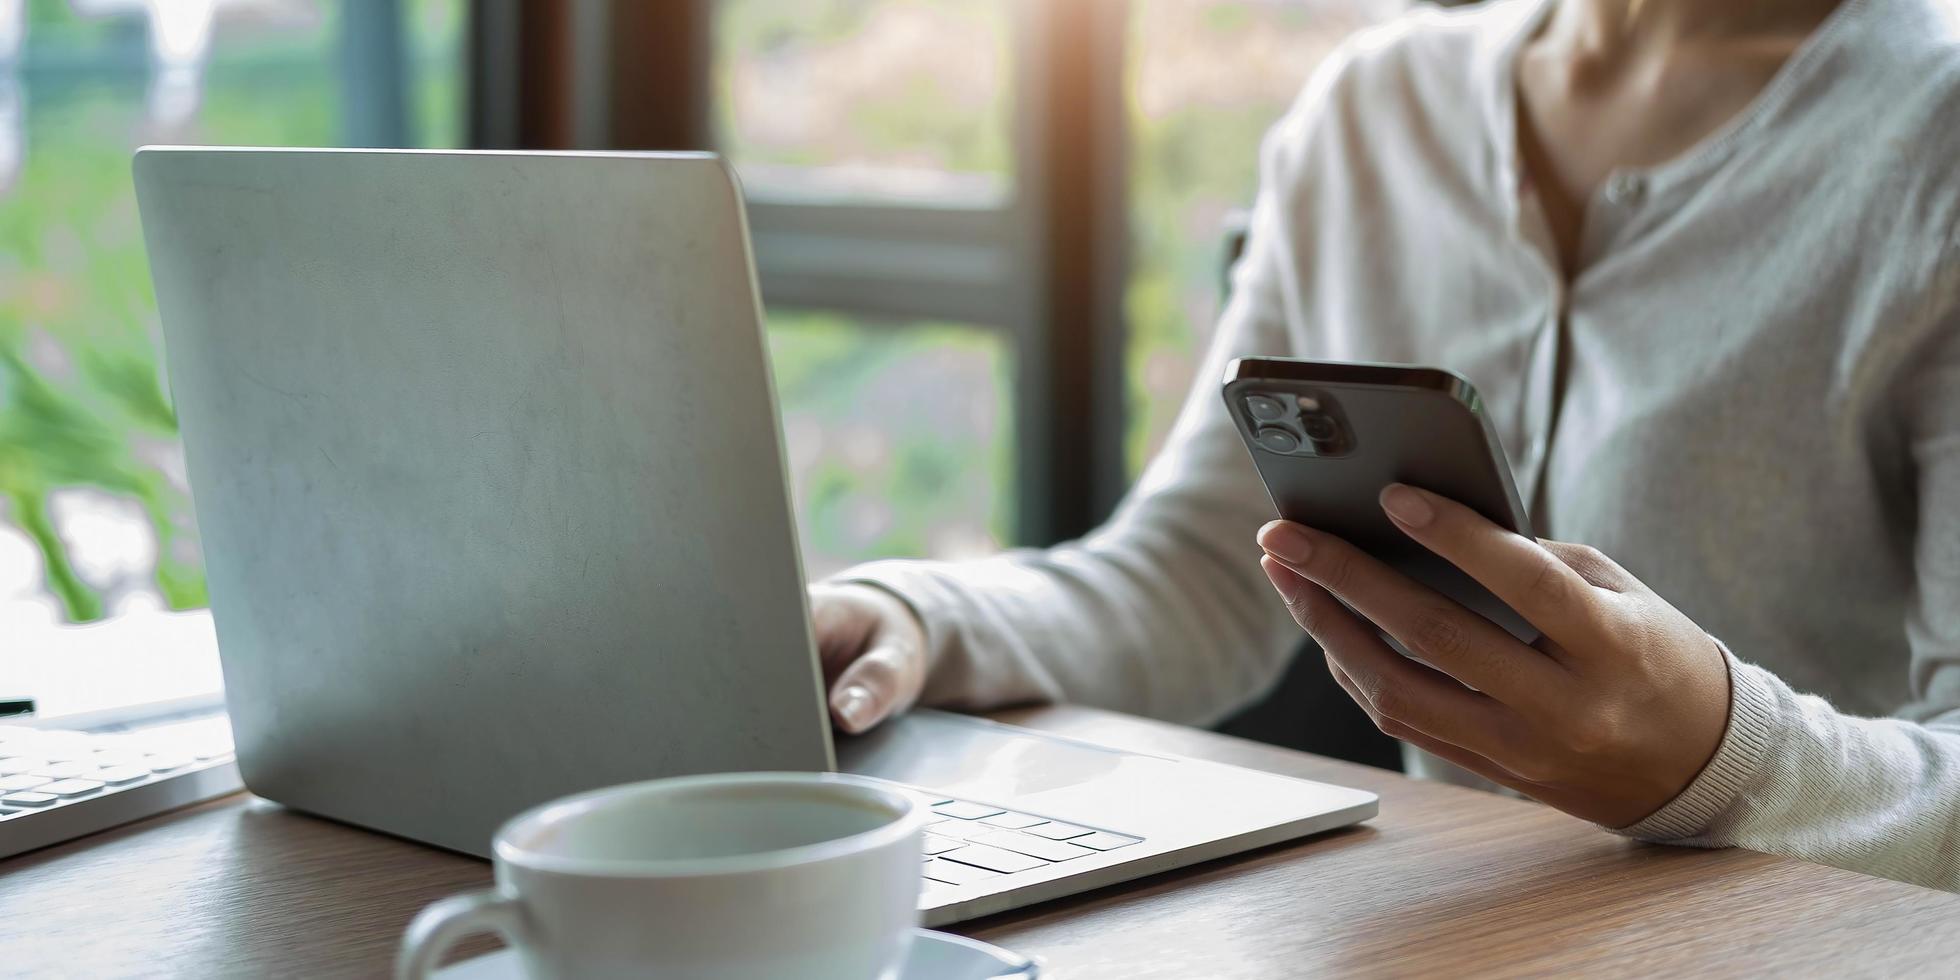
812, 875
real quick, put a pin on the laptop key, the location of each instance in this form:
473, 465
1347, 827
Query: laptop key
1103, 841
65, 770
9, 784
936, 844
122, 774
993, 859
1054, 830
65, 750
20, 764
28, 798
956, 874
69, 787
957, 829
962, 810
1041, 847
1012, 820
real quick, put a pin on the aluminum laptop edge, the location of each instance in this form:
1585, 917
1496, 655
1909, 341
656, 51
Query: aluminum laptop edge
488, 469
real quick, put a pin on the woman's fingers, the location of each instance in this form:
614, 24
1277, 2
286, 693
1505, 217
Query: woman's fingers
1437, 630
1463, 758
1455, 755
875, 686
872, 648
1635, 698
1543, 588
1404, 697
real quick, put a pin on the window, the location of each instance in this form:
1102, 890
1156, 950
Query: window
987, 231
1206, 80
894, 100
873, 138
94, 514
877, 138
897, 437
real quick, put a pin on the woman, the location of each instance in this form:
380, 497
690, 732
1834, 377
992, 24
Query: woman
1703, 259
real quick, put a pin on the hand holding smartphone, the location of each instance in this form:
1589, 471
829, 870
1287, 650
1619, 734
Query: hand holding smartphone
1327, 436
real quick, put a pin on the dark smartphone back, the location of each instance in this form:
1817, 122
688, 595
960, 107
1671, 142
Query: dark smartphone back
1328, 436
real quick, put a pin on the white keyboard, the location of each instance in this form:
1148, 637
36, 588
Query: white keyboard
56, 784
971, 843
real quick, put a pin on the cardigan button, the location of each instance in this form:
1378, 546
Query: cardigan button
1624, 189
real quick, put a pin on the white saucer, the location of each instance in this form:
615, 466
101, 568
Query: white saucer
934, 956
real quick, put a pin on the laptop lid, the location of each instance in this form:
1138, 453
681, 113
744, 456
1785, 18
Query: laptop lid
487, 465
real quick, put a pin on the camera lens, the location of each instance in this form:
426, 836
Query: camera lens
1320, 427
1265, 408
1275, 439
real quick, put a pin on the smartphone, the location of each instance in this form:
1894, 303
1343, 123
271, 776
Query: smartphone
1327, 436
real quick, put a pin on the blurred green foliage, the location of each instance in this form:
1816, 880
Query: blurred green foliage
908, 83
906, 422
77, 301
82, 397
1194, 159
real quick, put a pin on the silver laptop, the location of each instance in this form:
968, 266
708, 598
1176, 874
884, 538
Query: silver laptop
489, 472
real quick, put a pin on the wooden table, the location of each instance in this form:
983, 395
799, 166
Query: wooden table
1446, 882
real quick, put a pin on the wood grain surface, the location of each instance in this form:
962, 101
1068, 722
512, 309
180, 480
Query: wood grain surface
1445, 882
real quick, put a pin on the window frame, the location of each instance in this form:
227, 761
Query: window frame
1045, 268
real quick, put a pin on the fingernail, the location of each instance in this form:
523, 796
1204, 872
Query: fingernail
1287, 542
1406, 505
853, 705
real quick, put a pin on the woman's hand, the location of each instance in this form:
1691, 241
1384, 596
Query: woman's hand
873, 651
1608, 717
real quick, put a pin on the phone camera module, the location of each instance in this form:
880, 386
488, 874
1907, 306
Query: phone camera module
1289, 420
1272, 438
1265, 408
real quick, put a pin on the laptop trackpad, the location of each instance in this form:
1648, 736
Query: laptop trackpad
979, 759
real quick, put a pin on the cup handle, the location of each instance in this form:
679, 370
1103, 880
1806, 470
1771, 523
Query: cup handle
439, 926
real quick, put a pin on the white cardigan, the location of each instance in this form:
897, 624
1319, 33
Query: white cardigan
1750, 398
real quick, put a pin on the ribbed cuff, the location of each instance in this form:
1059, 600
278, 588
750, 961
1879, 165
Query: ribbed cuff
1752, 720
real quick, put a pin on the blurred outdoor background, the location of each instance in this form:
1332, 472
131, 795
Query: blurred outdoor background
901, 430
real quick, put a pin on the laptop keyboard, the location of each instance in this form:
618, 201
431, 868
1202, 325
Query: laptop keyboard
972, 843
56, 785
